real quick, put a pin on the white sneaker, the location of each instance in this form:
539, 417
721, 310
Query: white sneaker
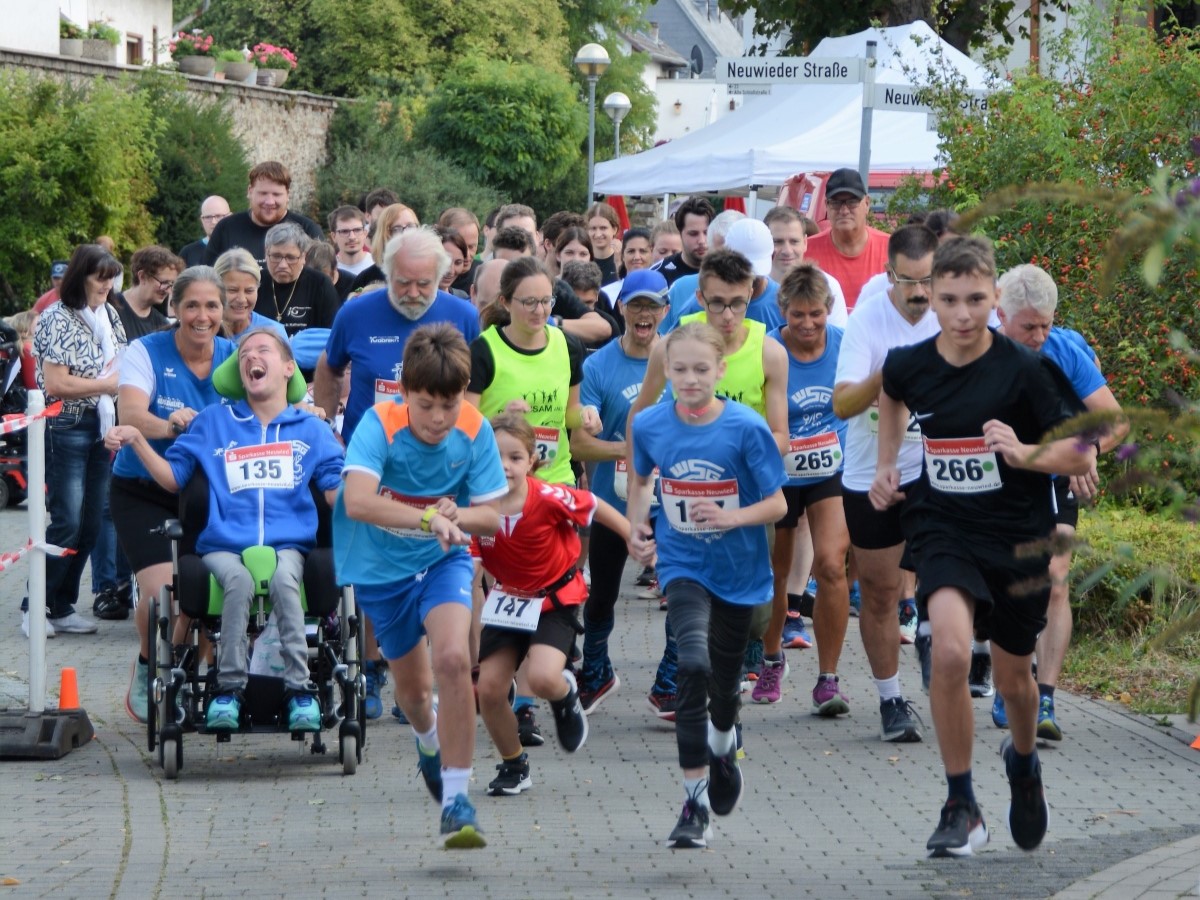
73, 623
25, 625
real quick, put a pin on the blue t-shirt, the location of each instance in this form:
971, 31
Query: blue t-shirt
1077, 364
731, 460
369, 333
257, 320
464, 466
1079, 340
175, 387
763, 309
611, 382
258, 477
818, 437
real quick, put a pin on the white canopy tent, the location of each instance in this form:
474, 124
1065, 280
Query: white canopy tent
802, 128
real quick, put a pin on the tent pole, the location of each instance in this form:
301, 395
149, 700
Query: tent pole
752, 201
666, 205
864, 143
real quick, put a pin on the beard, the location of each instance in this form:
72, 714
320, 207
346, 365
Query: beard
410, 311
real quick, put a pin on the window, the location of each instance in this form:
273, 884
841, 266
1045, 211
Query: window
133, 50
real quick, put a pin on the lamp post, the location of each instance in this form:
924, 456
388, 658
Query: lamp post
617, 106
592, 62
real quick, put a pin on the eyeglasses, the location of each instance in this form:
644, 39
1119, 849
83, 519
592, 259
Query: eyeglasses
716, 309
910, 282
849, 203
348, 232
290, 258
532, 303
399, 229
163, 285
213, 217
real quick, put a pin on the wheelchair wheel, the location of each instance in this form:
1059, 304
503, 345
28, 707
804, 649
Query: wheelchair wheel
151, 680
348, 750
172, 757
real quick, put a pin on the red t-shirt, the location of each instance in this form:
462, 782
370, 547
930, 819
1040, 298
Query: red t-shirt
44, 301
852, 272
534, 548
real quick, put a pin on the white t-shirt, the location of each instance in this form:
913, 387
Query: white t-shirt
365, 263
837, 313
874, 328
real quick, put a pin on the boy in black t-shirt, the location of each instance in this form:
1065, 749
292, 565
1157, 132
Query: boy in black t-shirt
978, 522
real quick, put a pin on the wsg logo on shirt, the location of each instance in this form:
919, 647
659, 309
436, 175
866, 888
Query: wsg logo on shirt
697, 470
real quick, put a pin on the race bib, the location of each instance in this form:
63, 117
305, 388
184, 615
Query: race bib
912, 433
265, 467
386, 390
621, 481
678, 498
819, 456
421, 503
545, 441
514, 610
961, 466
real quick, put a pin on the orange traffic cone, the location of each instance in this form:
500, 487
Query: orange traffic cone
68, 692
1196, 744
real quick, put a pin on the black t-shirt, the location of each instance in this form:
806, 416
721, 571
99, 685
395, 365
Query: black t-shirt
345, 284
239, 230
674, 268
370, 275
464, 281
608, 269
193, 254
139, 326
483, 366
965, 488
311, 301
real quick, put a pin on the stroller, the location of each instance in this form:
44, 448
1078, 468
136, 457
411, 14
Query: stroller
14, 483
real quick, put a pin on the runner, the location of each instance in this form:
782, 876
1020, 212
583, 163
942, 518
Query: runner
721, 484
982, 503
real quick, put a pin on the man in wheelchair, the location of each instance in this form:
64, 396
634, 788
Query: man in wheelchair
259, 456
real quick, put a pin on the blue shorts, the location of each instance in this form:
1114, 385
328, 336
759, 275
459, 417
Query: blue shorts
398, 610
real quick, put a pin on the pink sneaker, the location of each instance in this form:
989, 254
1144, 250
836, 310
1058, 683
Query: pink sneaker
768, 688
827, 699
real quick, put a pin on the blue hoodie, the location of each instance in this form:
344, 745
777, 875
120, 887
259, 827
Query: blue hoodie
258, 475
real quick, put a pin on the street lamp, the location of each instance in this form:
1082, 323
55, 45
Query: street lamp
617, 106
592, 62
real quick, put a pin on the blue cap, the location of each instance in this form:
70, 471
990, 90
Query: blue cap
644, 284
58, 268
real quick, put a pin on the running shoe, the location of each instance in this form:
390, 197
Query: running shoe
570, 722
924, 645
527, 728
855, 600
137, 699
375, 672
430, 767
828, 699
304, 713
960, 832
1028, 813
72, 623
646, 577
692, 831
399, 716
900, 722
224, 711
663, 705
908, 621
460, 831
752, 661
980, 676
590, 698
999, 713
650, 591
25, 625
795, 635
109, 605
724, 782
769, 686
1047, 725
513, 777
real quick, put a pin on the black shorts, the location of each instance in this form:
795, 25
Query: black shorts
801, 497
870, 529
556, 628
1011, 590
138, 506
1068, 505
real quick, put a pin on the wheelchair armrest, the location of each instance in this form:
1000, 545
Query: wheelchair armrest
171, 529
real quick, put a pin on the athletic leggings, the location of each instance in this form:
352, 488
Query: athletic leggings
711, 635
607, 561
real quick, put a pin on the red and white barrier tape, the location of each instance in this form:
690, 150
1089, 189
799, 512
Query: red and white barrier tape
7, 560
12, 423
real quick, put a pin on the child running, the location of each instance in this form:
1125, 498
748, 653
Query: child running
529, 615
720, 485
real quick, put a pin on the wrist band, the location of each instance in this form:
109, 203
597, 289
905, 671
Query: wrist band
427, 519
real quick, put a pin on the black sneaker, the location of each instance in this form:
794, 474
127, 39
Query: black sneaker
980, 677
924, 645
663, 705
901, 724
513, 777
570, 723
960, 832
527, 728
1028, 813
647, 577
109, 605
590, 699
724, 782
692, 831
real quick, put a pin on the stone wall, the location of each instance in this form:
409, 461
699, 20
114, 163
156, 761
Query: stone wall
272, 123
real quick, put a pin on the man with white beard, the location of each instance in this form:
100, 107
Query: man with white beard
370, 331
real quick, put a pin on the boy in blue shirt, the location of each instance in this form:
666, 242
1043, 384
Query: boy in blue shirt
419, 477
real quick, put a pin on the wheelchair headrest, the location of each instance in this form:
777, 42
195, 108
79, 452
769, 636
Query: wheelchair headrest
227, 381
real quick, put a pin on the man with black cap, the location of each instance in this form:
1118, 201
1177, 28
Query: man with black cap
58, 269
851, 251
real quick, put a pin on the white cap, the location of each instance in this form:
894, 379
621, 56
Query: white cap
752, 239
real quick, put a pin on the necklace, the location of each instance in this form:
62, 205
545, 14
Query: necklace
279, 312
693, 413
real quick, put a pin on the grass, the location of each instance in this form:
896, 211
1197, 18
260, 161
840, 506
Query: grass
1121, 668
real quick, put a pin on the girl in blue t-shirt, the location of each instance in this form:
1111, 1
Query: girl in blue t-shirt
720, 484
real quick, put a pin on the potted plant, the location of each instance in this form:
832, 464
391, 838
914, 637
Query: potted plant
274, 64
193, 51
226, 58
100, 41
70, 38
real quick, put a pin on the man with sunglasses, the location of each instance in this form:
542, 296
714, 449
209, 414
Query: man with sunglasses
851, 251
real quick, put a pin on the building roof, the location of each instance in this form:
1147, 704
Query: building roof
659, 50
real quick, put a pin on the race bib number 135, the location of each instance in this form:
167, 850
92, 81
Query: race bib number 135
265, 467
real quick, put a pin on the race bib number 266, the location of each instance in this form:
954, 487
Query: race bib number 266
961, 466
